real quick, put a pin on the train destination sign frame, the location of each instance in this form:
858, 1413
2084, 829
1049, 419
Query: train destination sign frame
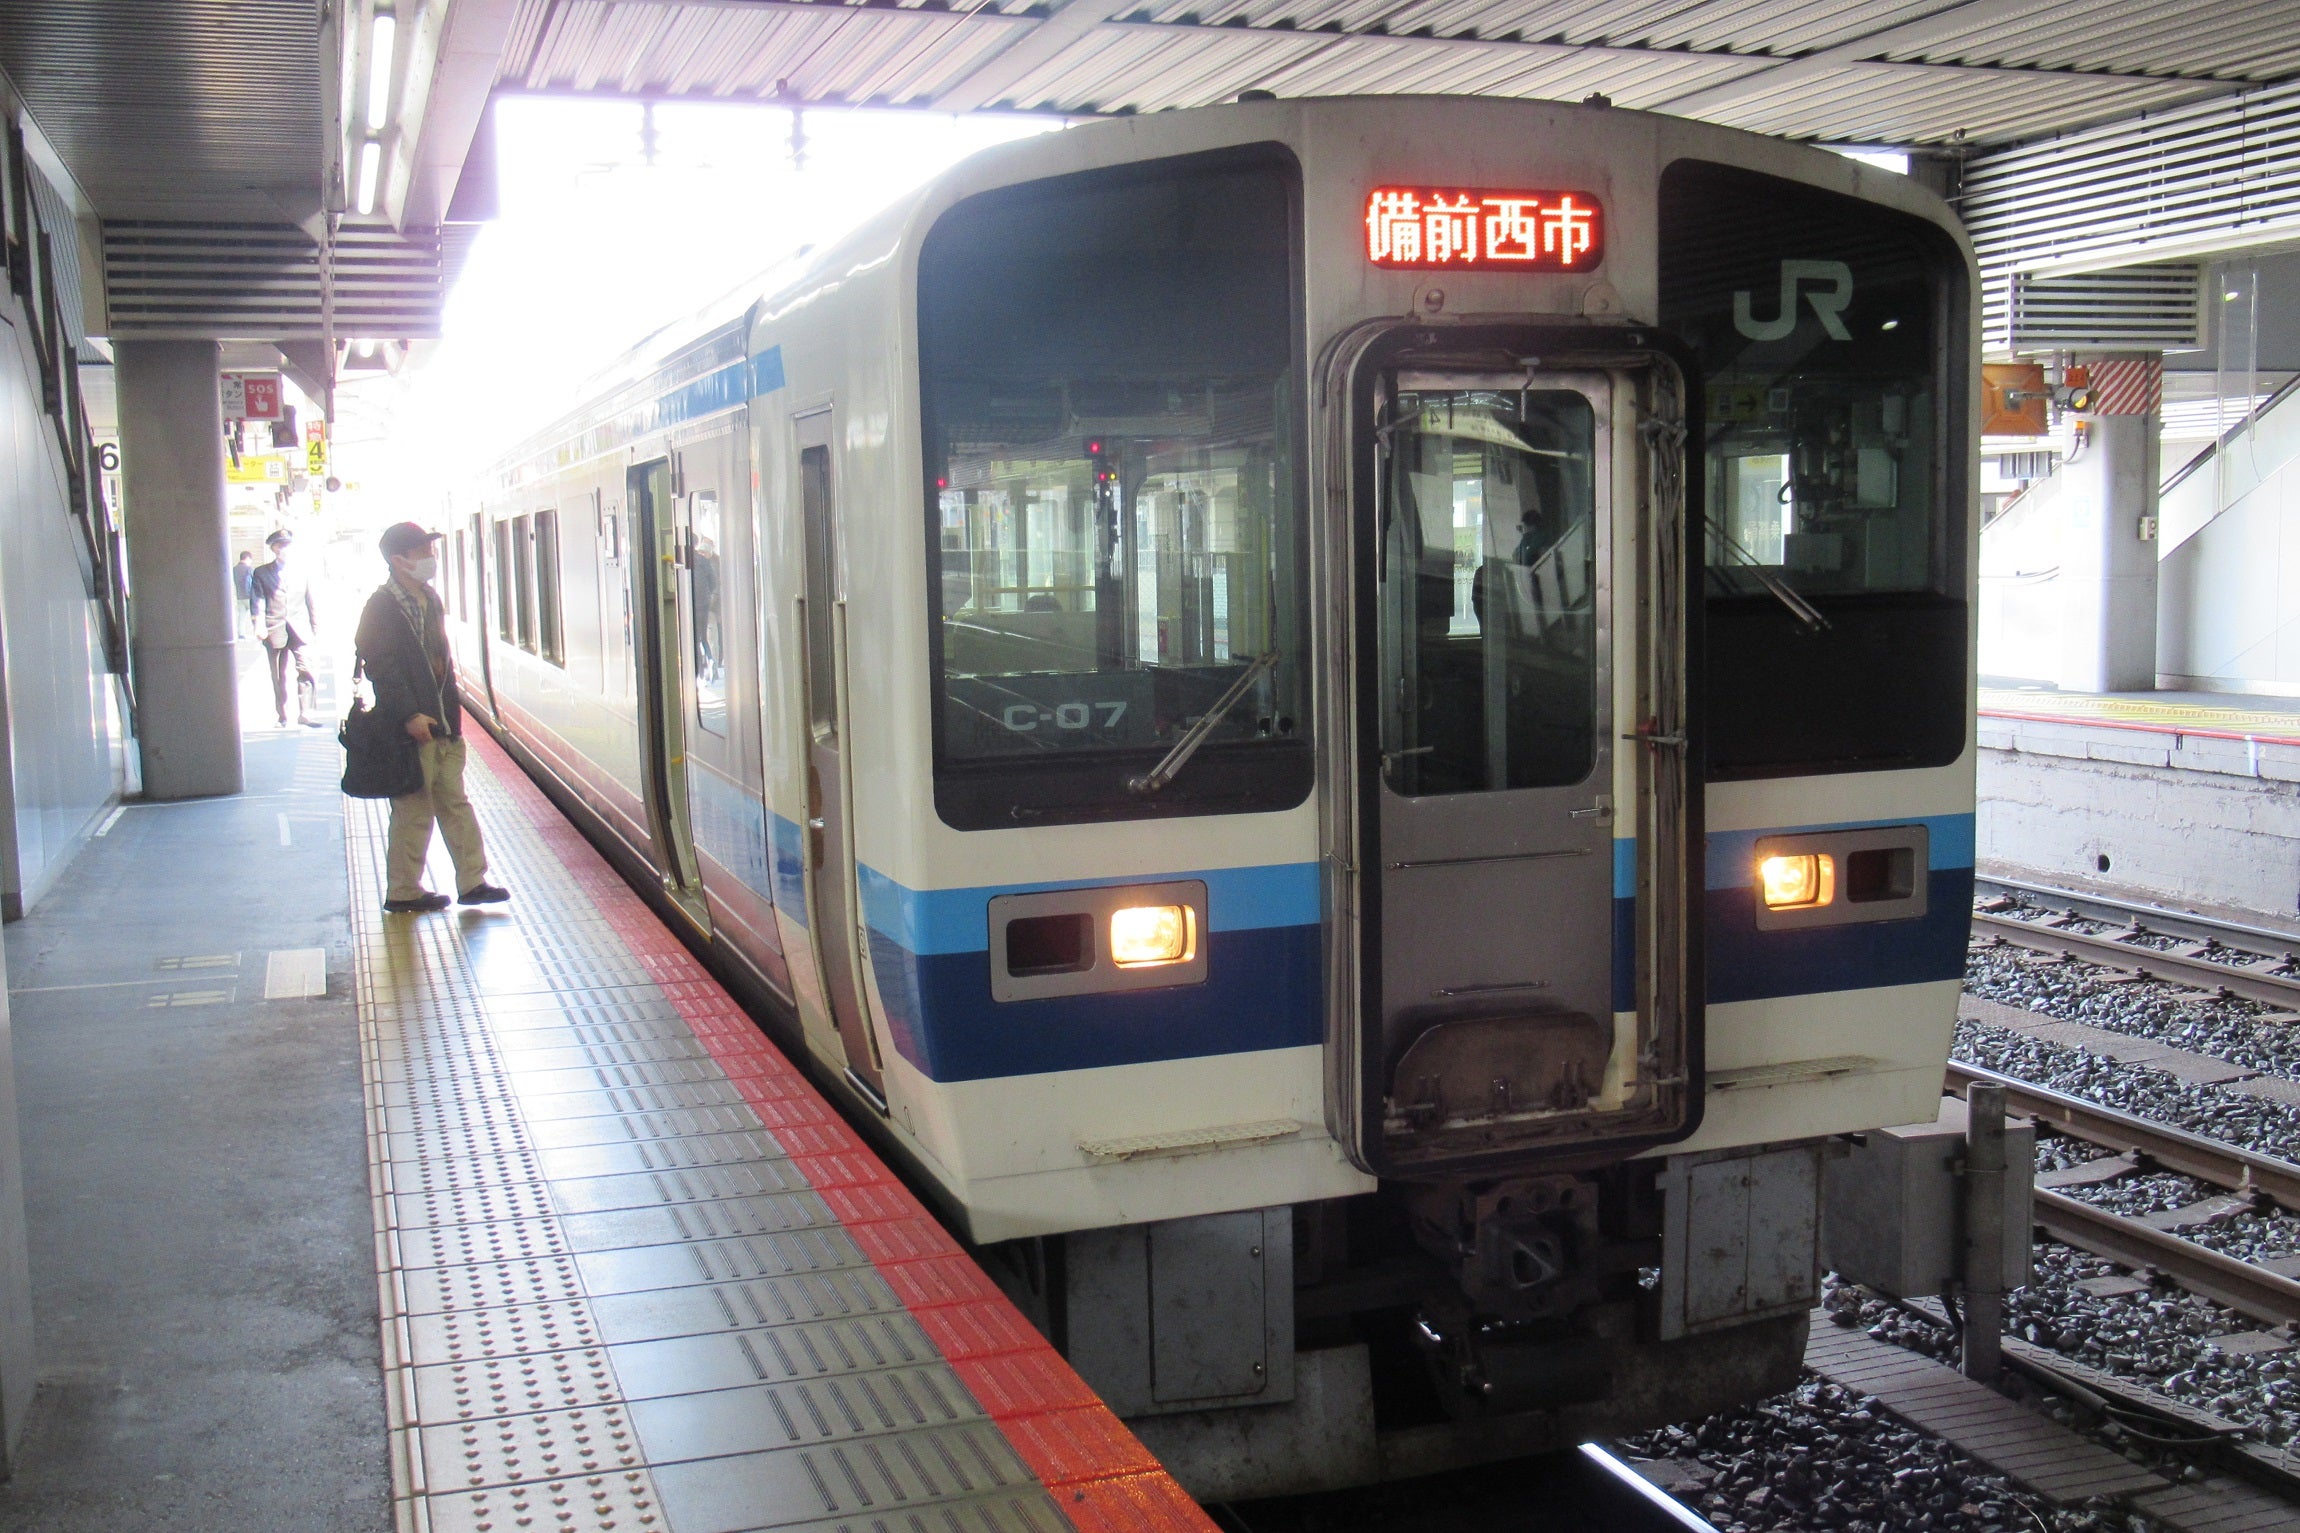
1467, 228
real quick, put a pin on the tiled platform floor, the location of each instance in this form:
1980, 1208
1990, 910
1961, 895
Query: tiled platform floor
635, 1272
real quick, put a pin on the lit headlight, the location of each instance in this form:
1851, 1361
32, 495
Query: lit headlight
1142, 935
1797, 883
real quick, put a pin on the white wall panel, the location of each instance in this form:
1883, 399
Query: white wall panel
61, 751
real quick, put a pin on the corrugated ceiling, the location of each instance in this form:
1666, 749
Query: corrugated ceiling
211, 109
1892, 71
206, 109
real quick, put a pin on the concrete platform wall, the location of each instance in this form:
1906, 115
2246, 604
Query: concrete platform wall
2198, 820
63, 765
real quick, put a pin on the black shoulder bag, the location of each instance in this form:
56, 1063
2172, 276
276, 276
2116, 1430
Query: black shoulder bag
380, 758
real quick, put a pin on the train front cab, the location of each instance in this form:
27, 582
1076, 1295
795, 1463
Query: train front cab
1612, 583
1251, 754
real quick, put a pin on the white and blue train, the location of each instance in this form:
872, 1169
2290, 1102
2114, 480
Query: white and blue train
1344, 723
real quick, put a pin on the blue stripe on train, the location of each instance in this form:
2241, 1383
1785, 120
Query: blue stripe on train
1262, 991
1745, 964
1264, 985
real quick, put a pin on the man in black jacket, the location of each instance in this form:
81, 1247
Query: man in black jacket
402, 643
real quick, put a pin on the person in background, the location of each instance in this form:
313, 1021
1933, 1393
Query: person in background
242, 573
402, 643
286, 616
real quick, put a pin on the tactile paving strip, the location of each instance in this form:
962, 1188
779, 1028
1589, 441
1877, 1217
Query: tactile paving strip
637, 1274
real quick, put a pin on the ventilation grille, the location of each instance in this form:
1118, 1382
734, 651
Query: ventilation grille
2176, 182
173, 281
2141, 308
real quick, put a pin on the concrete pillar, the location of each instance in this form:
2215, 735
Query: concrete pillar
179, 567
2108, 566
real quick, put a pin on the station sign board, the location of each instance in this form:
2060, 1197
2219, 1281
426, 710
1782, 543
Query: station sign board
252, 397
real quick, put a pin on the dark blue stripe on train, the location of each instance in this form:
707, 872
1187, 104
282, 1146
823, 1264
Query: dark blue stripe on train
1263, 990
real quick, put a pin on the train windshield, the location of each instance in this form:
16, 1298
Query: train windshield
1830, 338
1114, 514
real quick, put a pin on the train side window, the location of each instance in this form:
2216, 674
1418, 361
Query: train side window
706, 601
815, 510
523, 580
505, 617
550, 630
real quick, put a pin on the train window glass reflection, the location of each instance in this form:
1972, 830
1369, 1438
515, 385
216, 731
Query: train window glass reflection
505, 617
1829, 336
1488, 590
1106, 368
550, 630
705, 602
523, 579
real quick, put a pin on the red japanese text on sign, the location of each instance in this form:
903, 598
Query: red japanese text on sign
1440, 227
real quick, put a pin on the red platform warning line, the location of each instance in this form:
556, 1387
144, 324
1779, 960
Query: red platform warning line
1096, 1470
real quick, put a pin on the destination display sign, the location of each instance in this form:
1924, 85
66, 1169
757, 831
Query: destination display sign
1457, 228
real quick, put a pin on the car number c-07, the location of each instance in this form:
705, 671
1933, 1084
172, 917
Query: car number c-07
1024, 717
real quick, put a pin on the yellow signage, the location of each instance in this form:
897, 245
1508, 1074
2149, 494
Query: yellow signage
258, 468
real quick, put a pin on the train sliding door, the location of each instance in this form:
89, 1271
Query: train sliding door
1498, 1001
655, 538
833, 905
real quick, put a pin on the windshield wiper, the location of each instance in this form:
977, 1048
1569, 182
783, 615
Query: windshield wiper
1171, 764
1804, 611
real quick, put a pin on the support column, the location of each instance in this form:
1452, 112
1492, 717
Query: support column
179, 567
2108, 566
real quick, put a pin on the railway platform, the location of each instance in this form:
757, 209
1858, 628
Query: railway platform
629, 1270
634, 1268
2189, 798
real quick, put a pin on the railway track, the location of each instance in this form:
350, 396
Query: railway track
2242, 1286
2258, 963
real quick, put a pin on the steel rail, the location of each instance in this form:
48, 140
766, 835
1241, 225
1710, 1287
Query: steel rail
2225, 1280
2275, 990
2267, 940
2173, 1149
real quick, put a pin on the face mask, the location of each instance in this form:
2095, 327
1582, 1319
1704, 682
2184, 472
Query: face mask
423, 568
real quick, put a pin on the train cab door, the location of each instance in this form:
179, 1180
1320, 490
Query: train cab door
662, 713
833, 903
1493, 1014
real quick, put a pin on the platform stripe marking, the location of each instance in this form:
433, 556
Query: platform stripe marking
1096, 1470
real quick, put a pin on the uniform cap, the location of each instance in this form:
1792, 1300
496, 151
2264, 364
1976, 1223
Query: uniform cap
279, 539
403, 538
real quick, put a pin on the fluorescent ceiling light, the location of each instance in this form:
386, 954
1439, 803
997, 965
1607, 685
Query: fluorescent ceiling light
379, 72
370, 164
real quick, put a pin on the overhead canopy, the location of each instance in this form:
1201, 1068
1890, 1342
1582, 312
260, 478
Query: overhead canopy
1873, 71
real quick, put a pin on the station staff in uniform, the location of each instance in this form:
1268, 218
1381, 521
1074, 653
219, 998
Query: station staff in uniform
402, 642
287, 618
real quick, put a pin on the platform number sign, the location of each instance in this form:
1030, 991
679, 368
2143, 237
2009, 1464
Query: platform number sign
315, 449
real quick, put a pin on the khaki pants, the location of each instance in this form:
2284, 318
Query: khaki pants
441, 799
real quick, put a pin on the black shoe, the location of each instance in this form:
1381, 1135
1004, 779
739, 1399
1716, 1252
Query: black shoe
481, 894
418, 905
312, 723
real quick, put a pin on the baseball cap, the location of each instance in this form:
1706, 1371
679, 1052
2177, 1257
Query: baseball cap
403, 538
